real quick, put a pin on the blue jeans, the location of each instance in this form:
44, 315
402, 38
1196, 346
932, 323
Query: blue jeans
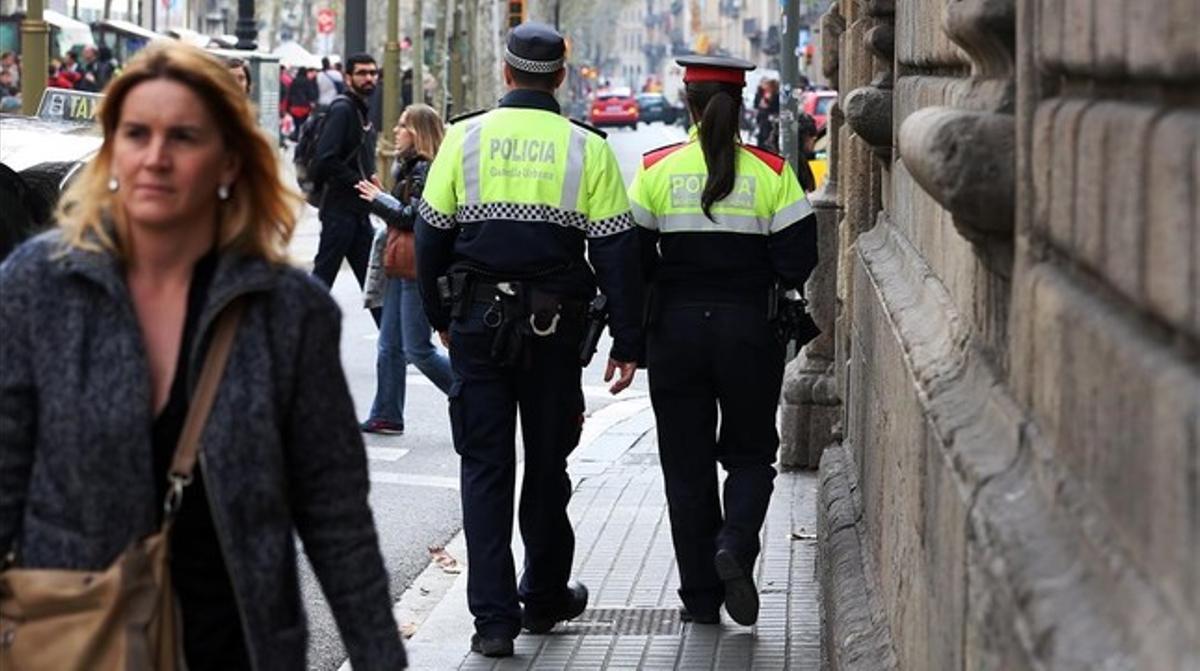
404, 338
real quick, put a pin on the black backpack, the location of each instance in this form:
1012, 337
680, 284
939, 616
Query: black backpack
305, 154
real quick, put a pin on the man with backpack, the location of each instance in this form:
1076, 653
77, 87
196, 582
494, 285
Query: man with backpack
329, 84
344, 154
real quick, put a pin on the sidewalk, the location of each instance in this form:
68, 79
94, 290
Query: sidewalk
624, 555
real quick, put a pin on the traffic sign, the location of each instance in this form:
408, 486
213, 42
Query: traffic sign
326, 21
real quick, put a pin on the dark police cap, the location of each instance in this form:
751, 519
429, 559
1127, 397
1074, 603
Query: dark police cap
535, 47
725, 69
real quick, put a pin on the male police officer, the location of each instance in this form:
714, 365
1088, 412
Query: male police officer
510, 203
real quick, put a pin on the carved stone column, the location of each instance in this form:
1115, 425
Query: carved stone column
965, 157
868, 108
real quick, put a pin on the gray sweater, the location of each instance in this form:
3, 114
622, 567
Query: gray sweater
281, 453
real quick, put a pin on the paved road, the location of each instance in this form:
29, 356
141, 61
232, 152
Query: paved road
414, 477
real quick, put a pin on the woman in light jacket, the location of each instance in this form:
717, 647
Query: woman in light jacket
404, 332
105, 325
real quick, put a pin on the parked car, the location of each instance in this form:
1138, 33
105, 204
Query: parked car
817, 105
38, 159
654, 107
614, 107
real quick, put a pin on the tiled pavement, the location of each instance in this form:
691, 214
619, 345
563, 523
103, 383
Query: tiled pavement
624, 555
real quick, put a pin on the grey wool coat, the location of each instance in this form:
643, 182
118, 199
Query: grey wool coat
281, 453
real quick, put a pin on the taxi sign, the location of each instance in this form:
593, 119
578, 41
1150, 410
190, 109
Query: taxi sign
68, 105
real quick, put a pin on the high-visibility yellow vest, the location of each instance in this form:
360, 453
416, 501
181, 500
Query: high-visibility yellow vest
522, 164
766, 196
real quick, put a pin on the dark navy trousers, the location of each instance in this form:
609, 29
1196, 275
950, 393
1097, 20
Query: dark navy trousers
715, 373
485, 401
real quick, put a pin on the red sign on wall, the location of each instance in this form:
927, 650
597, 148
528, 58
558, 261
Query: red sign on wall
326, 21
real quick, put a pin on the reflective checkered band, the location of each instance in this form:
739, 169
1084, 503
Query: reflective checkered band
435, 218
480, 212
477, 212
532, 66
611, 226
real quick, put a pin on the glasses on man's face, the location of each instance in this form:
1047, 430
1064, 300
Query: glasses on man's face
365, 73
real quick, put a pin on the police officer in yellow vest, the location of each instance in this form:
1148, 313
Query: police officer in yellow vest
512, 201
731, 222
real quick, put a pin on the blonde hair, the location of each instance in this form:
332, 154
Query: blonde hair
427, 129
260, 215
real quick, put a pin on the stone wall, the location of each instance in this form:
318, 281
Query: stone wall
1013, 480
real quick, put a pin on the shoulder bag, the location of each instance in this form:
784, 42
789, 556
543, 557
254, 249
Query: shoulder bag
123, 617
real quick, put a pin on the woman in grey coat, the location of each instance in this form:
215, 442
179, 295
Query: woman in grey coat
105, 324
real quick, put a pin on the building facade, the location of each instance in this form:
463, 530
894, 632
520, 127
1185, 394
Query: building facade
1011, 377
629, 33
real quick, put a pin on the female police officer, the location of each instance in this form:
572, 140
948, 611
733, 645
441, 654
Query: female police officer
730, 222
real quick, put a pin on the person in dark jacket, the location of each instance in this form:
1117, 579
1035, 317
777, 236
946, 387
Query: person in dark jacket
346, 156
302, 97
404, 332
767, 115
105, 325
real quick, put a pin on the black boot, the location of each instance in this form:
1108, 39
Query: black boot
700, 617
492, 646
741, 596
540, 622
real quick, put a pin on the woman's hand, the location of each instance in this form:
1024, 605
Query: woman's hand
369, 190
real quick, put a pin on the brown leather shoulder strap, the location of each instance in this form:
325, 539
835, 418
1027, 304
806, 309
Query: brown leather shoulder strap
206, 389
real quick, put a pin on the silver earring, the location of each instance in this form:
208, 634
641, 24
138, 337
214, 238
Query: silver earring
223, 192
113, 184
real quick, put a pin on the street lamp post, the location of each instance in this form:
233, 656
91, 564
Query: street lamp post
356, 26
391, 69
247, 26
418, 56
789, 89
35, 48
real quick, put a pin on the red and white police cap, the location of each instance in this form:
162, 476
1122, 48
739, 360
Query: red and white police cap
724, 69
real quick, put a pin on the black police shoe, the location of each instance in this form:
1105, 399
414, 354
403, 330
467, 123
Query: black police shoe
741, 596
700, 617
541, 622
492, 646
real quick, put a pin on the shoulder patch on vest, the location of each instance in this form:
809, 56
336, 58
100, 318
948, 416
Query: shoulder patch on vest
468, 115
587, 126
774, 161
655, 155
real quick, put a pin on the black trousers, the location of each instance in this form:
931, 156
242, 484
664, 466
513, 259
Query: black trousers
344, 235
485, 402
715, 375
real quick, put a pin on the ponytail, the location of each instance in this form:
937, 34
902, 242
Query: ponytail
719, 107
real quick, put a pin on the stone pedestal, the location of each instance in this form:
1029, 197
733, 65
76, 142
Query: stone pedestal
810, 404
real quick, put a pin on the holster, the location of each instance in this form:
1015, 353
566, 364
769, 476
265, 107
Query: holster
789, 318
594, 323
454, 290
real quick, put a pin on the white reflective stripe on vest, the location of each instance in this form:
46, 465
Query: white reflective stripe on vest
573, 179
472, 150
791, 214
644, 218
696, 222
